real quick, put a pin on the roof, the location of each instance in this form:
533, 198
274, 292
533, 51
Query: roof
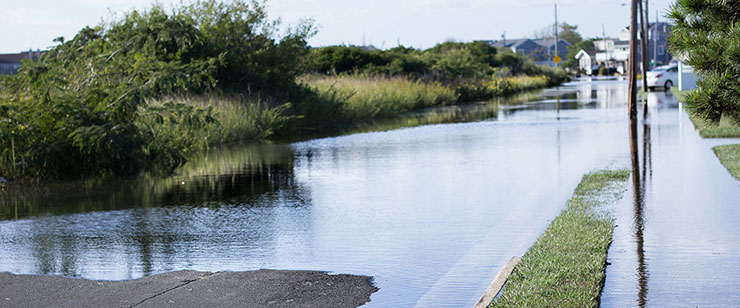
505, 43
550, 42
547, 43
13, 57
591, 53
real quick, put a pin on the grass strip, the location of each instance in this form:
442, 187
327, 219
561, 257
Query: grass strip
726, 128
729, 156
566, 266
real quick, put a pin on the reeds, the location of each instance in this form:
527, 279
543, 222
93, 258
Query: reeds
365, 97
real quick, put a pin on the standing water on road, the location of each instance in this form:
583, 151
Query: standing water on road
431, 212
677, 243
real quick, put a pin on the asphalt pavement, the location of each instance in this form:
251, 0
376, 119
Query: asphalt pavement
263, 288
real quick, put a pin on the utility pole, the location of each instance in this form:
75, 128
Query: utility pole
631, 102
655, 40
606, 46
647, 27
556, 29
644, 45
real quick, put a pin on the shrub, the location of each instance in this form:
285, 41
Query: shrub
80, 109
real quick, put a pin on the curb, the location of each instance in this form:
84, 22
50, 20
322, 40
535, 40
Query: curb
498, 283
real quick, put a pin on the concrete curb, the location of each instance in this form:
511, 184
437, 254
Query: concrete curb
497, 283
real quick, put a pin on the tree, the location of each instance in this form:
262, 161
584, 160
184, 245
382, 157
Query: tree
566, 32
706, 36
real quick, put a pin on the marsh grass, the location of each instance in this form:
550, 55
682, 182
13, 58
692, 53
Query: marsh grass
237, 117
566, 265
364, 97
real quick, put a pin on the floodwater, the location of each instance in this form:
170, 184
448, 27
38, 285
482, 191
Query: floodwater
431, 212
678, 240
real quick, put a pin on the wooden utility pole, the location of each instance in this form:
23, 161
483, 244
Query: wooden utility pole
632, 68
556, 29
644, 44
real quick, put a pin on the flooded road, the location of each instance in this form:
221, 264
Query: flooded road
678, 240
432, 212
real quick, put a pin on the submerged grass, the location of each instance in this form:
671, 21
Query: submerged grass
566, 266
729, 156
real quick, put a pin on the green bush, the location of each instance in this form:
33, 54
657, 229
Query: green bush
81, 109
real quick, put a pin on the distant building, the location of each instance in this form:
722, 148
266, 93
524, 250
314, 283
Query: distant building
10, 62
586, 60
540, 50
614, 53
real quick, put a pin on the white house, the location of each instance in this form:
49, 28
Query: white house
613, 53
586, 60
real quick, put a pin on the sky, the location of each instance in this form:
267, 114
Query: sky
382, 23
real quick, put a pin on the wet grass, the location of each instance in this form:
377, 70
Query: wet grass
566, 266
726, 128
729, 156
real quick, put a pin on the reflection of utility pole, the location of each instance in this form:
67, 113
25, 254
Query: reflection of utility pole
638, 188
633, 62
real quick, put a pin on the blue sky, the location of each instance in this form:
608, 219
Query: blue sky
417, 23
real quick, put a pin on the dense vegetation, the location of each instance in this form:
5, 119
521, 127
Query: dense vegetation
86, 108
148, 90
475, 71
707, 35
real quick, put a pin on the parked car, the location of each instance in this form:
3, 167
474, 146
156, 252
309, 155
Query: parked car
662, 77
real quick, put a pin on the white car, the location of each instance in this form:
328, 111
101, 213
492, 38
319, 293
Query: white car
662, 77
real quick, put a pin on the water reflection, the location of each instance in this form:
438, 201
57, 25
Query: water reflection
639, 178
227, 175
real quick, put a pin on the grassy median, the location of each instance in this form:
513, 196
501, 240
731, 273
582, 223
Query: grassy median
729, 156
566, 266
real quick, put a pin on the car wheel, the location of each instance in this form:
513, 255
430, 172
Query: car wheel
668, 85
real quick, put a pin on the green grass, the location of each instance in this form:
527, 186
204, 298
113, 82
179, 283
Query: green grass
729, 156
726, 128
566, 266
238, 118
365, 98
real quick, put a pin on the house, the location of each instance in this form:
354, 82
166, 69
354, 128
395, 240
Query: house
658, 44
614, 53
10, 62
586, 60
540, 50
